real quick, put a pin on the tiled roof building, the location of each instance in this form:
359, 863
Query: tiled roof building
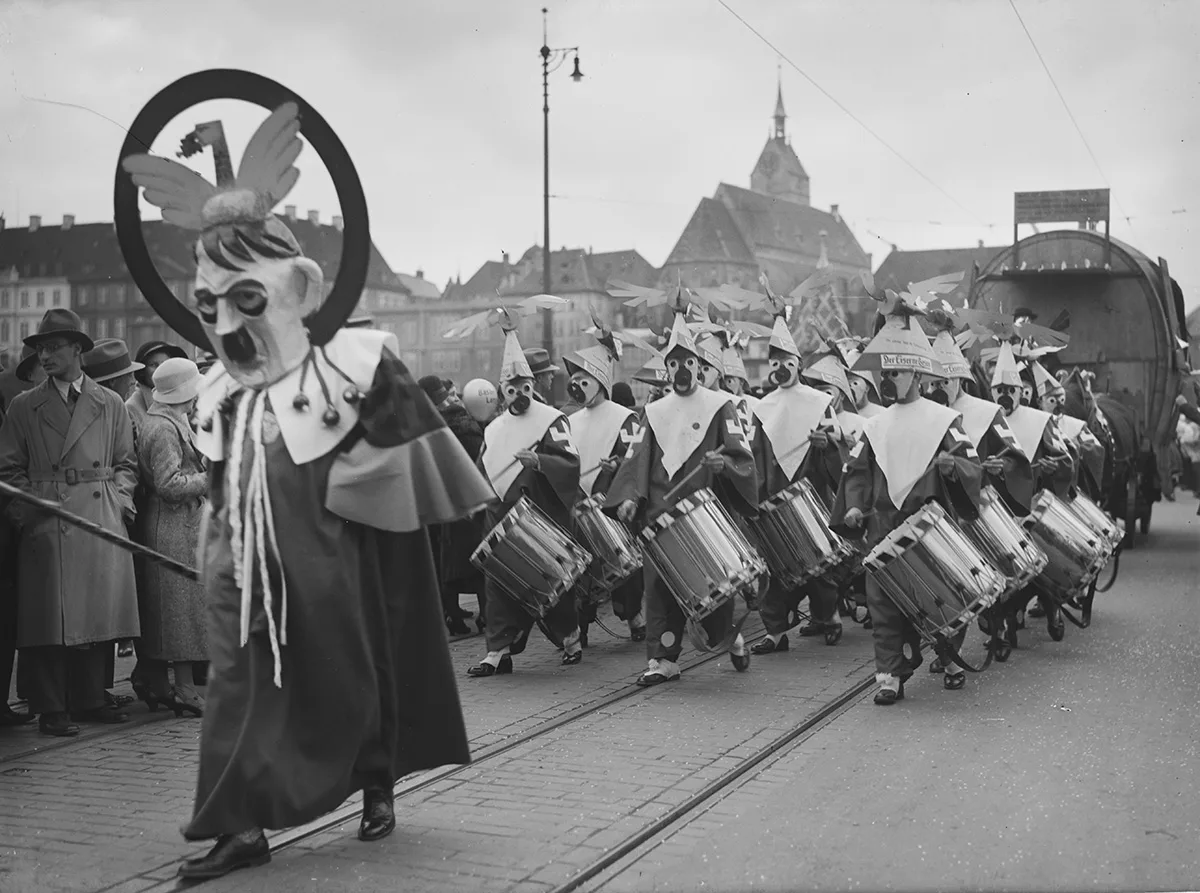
903, 267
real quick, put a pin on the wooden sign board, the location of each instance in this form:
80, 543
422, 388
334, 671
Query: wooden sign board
1068, 205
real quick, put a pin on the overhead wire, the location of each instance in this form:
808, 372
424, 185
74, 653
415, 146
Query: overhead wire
857, 120
1063, 99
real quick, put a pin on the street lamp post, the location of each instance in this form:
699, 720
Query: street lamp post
556, 56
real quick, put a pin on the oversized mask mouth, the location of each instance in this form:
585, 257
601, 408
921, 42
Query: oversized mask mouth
937, 395
888, 390
239, 347
575, 389
783, 376
683, 381
1006, 402
520, 404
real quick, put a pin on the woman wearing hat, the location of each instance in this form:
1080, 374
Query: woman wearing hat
176, 486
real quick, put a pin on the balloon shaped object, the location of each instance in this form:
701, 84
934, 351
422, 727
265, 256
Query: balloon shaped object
480, 398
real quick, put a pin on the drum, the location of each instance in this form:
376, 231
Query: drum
617, 556
793, 529
1098, 520
934, 574
701, 555
1076, 554
531, 558
1003, 542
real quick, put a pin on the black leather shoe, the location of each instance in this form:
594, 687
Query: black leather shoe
378, 815
766, 646
954, 681
833, 633
228, 855
569, 660
58, 725
483, 668
1055, 625
807, 630
885, 697
9, 718
741, 662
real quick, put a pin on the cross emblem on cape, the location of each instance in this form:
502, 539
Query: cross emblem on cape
633, 438
560, 434
734, 429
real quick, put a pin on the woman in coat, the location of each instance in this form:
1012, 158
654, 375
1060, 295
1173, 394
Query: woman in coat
176, 486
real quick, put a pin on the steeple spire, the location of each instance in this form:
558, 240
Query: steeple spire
780, 114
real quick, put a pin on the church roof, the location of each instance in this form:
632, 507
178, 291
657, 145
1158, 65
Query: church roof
766, 222
902, 267
779, 152
712, 235
572, 270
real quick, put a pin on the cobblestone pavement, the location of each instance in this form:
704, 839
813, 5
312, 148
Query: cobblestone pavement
102, 812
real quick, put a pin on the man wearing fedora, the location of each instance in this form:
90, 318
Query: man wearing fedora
149, 357
543, 371
69, 441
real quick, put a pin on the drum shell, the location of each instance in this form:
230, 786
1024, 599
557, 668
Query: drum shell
532, 559
934, 573
1097, 520
1000, 538
793, 531
616, 553
701, 555
1075, 553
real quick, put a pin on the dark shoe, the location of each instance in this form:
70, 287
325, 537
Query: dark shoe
378, 815
125, 649
112, 700
1055, 625
637, 633
456, 627
833, 633
809, 629
741, 662
936, 666
480, 623
483, 668
885, 697
954, 681
10, 718
106, 715
766, 646
569, 660
150, 698
228, 855
58, 725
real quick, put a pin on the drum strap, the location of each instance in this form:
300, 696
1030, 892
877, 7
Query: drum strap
947, 653
699, 637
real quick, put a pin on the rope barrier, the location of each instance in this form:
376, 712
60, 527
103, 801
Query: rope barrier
53, 508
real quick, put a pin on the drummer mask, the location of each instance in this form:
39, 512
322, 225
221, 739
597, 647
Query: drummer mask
518, 395
895, 385
942, 390
585, 389
734, 385
1052, 402
683, 370
710, 376
1026, 394
785, 369
859, 388
835, 392
253, 290
1007, 396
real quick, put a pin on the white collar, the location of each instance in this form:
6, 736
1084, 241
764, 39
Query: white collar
904, 438
64, 386
788, 416
681, 423
507, 434
594, 430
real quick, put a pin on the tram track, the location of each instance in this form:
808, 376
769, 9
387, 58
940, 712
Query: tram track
350, 811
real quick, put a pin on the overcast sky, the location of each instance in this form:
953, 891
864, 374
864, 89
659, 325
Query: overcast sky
439, 104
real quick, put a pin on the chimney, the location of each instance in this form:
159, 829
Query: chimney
338, 223
504, 257
68, 221
420, 274
833, 209
981, 243
35, 221
289, 211
1, 223
314, 217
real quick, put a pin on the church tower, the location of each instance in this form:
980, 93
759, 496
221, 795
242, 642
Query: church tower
778, 172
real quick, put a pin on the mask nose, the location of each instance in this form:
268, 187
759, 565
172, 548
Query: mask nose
227, 321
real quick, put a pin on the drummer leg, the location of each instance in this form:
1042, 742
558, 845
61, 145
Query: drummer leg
890, 631
562, 621
664, 630
627, 605
822, 601
776, 609
507, 630
956, 676
719, 627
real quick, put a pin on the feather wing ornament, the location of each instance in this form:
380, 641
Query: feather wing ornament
678, 298
615, 340
507, 316
985, 324
265, 177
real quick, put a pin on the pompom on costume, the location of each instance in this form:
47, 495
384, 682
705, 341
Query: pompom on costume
330, 671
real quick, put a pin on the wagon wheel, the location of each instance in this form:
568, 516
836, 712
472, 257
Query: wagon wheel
1131, 512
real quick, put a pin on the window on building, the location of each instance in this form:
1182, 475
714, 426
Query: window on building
447, 361
24, 298
410, 331
40, 298
411, 359
119, 327
102, 327
102, 297
5, 331
24, 330
87, 325
56, 298
83, 295
5, 298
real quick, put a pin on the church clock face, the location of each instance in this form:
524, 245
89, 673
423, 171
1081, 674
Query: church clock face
770, 164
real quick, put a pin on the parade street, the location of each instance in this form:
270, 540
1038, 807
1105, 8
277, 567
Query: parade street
1075, 761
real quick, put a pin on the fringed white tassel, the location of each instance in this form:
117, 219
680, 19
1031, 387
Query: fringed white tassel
273, 542
233, 481
260, 497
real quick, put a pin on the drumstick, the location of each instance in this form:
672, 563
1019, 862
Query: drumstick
670, 497
804, 445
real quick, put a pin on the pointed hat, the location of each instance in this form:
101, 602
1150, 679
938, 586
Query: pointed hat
950, 361
708, 348
513, 364
827, 368
597, 361
1043, 381
734, 367
900, 344
681, 337
1006, 371
653, 373
852, 354
781, 338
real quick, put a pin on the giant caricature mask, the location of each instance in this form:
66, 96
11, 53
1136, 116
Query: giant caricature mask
1053, 401
253, 291
895, 385
942, 390
518, 395
683, 371
585, 389
785, 368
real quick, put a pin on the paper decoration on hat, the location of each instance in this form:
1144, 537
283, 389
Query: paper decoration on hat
950, 362
508, 316
1043, 381
679, 298
653, 373
781, 338
989, 324
900, 345
709, 349
1007, 372
817, 308
602, 360
681, 337
827, 368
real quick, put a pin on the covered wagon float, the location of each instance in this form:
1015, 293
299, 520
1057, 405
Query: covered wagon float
1124, 314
